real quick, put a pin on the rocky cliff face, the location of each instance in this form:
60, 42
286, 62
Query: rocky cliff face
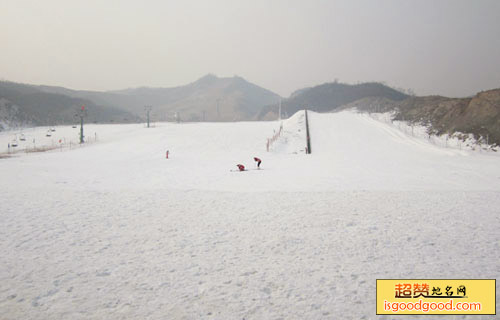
479, 115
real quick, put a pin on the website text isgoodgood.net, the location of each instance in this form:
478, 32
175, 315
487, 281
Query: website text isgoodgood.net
424, 306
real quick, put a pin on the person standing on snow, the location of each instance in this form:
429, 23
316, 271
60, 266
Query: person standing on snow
258, 161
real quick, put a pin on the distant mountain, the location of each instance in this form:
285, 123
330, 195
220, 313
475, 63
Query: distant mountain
210, 98
24, 105
330, 96
478, 115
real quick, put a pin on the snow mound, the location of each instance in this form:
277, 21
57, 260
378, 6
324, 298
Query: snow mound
292, 138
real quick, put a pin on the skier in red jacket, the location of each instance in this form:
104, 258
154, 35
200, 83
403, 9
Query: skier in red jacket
258, 161
241, 167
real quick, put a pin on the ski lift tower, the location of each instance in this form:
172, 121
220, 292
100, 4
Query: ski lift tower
82, 113
148, 111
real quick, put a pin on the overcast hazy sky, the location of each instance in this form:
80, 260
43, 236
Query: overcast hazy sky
432, 46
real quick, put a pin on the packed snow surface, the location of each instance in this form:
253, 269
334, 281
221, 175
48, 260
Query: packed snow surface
114, 230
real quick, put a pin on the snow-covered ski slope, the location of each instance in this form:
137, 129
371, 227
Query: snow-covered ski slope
351, 152
114, 230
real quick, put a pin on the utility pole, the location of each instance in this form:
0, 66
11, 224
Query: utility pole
218, 112
279, 111
82, 113
148, 110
